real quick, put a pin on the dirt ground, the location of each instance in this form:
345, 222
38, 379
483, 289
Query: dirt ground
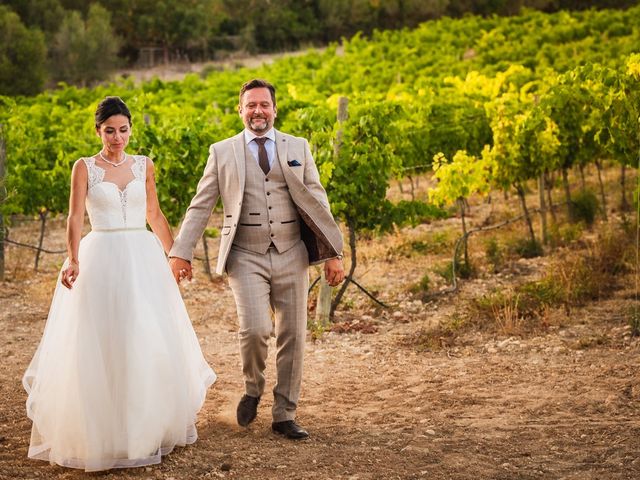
561, 403
178, 70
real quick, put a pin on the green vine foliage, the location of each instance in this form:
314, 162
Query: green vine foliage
525, 138
508, 97
459, 178
365, 166
622, 112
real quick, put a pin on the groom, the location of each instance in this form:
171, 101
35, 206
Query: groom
277, 222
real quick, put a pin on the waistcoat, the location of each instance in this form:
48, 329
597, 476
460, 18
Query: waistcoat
268, 214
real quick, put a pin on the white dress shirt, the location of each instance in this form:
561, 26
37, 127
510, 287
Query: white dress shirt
270, 144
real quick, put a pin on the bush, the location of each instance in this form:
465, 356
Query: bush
563, 235
614, 251
414, 213
516, 310
526, 248
465, 270
539, 294
584, 207
576, 279
569, 281
431, 243
634, 321
445, 271
494, 254
423, 285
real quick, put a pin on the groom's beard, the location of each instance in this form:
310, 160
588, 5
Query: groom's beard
259, 126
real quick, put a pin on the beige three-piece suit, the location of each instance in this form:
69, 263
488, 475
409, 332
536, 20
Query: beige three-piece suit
275, 226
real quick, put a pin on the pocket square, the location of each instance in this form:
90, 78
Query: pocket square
294, 163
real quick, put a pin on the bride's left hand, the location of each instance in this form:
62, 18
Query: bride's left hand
70, 275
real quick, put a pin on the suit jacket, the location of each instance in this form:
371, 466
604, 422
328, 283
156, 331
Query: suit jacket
224, 177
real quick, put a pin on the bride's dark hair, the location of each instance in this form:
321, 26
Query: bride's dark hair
109, 107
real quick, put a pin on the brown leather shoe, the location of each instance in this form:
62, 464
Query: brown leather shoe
247, 410
289, 429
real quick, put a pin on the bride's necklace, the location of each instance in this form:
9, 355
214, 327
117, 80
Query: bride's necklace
115, 164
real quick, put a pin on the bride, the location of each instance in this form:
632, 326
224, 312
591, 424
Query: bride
118, 377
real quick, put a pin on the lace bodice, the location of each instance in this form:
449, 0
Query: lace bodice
110, 207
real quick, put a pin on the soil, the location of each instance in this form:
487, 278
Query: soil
558, 402
176, 71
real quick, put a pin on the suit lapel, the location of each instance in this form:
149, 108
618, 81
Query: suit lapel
238, 151
282, 147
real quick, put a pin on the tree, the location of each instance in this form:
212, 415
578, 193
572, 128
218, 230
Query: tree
22, 56
102, 44
67, 50
85, 52
47, 15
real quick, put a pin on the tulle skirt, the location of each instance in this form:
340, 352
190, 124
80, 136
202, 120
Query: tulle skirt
118, 377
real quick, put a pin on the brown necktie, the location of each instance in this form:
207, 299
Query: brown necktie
263, 158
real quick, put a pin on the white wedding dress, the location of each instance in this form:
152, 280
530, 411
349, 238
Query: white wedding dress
118, 377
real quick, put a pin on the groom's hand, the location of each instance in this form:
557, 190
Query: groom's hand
333, 271
180, 268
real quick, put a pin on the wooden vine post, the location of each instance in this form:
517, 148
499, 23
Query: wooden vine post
3, 190
323, 308
42, 214
543, 210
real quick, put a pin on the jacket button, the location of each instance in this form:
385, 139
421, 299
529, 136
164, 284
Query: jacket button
270, 208
268, 193
270, 221
266, 179
273, 234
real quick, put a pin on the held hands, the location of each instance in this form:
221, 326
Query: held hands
333, 271
70, 274
180, 268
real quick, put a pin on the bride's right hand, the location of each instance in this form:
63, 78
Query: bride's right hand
70, 274
180, 268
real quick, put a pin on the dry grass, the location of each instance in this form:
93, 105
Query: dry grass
507, 316
443, 336
571, 279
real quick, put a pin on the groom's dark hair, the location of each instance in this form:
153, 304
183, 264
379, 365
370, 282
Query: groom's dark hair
257, 83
